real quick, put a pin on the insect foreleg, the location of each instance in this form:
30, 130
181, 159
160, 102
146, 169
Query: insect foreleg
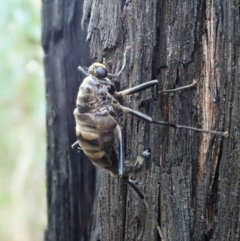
149, 84
138, 88
180, 88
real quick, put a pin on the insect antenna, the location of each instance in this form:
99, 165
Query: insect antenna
83, 70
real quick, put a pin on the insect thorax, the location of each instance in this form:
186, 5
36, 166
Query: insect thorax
93, 95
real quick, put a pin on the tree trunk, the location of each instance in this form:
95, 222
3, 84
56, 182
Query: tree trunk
69, 195
192, 177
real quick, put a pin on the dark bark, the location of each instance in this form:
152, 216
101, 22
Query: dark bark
192, 181
70, 176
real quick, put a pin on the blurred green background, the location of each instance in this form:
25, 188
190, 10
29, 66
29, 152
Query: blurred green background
22, 122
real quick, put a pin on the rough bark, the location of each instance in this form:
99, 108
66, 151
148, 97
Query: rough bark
192, 180
70, 176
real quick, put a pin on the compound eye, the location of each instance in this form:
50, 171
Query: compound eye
101, 72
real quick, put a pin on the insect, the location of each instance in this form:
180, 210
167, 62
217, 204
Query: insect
98, 109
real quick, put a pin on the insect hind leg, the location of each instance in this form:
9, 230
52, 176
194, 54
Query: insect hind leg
141, 195
135, 167
121, 163
138, 164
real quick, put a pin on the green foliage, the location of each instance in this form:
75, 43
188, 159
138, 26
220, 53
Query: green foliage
22, 122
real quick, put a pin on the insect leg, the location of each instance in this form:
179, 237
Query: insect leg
138, 164
121, 163
149, 84
74, 144
133, 186
150, 120
180, 88
138, 88
145, 155
122, 168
